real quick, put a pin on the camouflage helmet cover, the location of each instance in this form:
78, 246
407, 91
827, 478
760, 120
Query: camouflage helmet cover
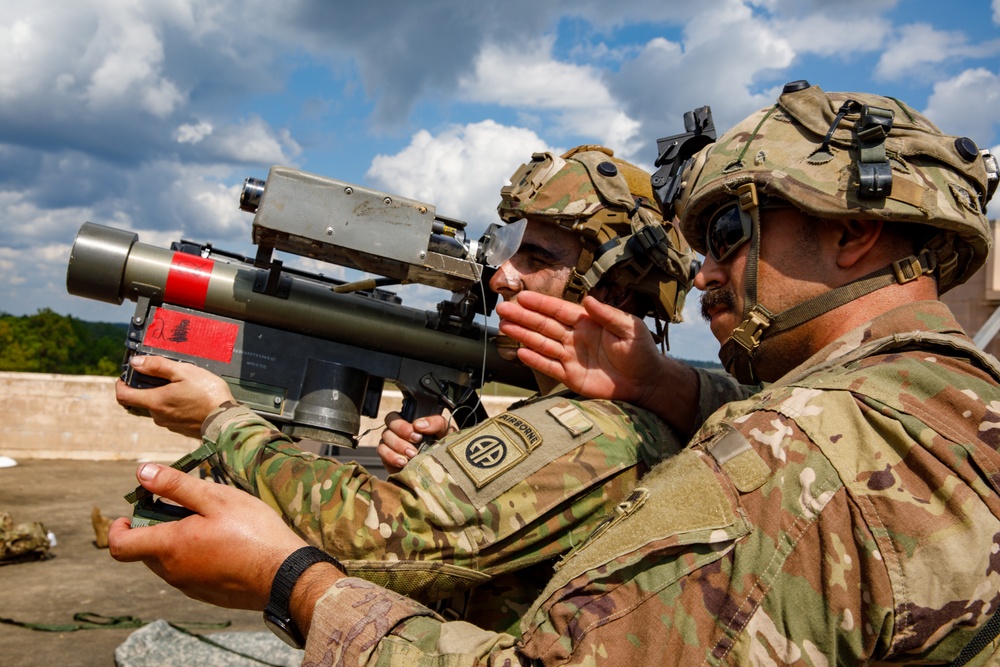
609, 203
800, 151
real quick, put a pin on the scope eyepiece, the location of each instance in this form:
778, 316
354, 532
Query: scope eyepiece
253, 190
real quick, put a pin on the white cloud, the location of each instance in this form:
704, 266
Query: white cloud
718, 63
966, 104
460, 170
918, 45
11, 272
840, 36
252, 140
26, 221
193, 133
531, 79
131, 71
996, 11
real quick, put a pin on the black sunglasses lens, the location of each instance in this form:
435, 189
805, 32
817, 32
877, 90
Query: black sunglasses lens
725, 233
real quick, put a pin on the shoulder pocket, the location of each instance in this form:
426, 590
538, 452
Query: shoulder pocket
682, 502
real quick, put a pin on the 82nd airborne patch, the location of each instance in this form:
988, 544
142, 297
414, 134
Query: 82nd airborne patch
493, 448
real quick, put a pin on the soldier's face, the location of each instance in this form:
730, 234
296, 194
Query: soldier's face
543, 263
792, 269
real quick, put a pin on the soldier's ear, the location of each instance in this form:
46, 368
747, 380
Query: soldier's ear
856, 240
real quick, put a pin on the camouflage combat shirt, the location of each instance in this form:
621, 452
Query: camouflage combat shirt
478, 519
847, 514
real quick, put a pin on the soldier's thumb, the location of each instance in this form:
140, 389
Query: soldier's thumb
172, 484
150, 364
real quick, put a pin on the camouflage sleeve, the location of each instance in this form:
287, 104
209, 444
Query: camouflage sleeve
519, 489
357, 623
715, 389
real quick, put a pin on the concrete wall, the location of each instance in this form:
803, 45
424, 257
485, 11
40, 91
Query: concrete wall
45, 416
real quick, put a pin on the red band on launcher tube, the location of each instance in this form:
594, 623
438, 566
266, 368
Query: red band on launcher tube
187, 280
193, 335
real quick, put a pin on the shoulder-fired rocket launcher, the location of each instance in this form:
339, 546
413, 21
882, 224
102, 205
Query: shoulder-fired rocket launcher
308, 352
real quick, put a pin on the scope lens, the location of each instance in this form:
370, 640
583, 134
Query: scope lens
253, 190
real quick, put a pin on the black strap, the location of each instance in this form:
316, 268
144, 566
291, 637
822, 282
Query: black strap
983, 638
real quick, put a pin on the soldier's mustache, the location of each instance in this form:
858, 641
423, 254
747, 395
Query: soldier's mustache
720, 296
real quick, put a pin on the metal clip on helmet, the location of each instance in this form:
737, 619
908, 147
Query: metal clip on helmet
843, 156
609, 203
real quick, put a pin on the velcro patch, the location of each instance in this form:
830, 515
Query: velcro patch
744, 466
570, 417
490, 450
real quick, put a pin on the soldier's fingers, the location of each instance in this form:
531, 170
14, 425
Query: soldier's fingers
391, 459
397, 444
540, 343
118, 542
431, 425
542, 364
559, 309
616, 322
145, 544
528, 320
125, 395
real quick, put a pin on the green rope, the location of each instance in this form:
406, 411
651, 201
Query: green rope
88, 620
208, 641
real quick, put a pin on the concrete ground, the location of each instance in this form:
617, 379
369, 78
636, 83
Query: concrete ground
61, 494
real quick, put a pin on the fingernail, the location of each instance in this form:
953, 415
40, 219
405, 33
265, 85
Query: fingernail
420, 423
401, 462
415, 438
148, 471
411, 452
138, 360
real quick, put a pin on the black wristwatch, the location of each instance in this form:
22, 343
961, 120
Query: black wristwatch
277, 616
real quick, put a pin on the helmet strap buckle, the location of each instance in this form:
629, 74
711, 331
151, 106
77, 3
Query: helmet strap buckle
748, 334
907, 269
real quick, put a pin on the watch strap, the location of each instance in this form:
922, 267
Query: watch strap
277, 612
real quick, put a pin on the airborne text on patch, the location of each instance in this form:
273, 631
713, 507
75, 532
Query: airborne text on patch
531, 437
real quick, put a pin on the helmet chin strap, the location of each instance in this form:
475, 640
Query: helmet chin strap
739, 352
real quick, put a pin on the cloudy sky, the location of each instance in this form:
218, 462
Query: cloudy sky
147, 116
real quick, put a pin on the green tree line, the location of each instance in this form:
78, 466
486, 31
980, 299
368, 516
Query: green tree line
47, 342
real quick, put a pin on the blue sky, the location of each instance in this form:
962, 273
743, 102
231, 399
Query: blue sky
148, 116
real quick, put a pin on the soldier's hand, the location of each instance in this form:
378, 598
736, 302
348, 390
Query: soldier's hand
225, 554
600, 352
594, 349
183, 404
401, 438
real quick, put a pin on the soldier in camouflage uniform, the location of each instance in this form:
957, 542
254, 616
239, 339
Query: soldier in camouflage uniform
480, 517
848, 513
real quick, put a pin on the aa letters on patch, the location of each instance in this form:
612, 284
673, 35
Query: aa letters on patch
493, 448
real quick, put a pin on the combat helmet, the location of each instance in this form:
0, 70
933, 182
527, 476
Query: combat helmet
843, 156
609, 203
